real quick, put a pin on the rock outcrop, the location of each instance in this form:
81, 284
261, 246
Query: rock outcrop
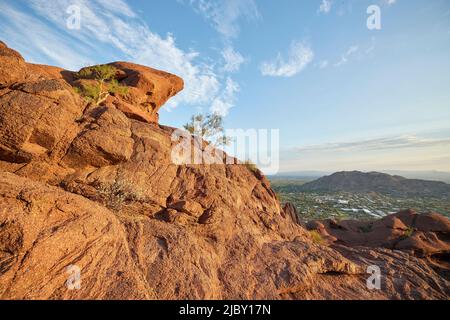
422, 235
94, 188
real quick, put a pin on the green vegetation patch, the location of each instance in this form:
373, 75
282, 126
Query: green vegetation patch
100, 83
316, 237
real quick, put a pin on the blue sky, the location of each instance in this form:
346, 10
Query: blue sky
343, 96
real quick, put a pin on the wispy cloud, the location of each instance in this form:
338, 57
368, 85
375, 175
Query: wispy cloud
346, 56
325, 6
372, 46
226, 16
117, 7
232, 60
110, 30
226, 100
299, 56
45, 44
379, 144
408, 152
390, 2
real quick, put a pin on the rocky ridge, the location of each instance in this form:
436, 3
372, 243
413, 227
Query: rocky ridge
95, 187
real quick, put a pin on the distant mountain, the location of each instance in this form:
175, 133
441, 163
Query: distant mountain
422, 175
360, 182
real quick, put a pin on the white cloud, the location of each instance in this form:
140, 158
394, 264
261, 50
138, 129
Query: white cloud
44, 44
108, 29
385, 143
325, 6
226, 18
226, 100
390, 2
117, 6
299, 56
233, 60
405, 152
344, 59
225, 15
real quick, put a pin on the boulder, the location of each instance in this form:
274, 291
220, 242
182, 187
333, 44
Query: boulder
12, 66
149, 89
424, 234
191, 208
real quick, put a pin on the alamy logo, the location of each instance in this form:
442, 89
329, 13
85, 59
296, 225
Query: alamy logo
259, 145
73, 22
374, 281
74, 279
374, 19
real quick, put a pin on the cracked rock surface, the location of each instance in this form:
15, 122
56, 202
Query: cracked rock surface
95, 187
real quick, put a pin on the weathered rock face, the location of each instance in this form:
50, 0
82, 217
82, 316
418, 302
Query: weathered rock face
12, 66
148, 90
423, 234
95, 188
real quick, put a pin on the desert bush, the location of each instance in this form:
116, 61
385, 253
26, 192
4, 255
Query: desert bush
316, 237
251, 166
91, 92
116, 88
115, 195
104, 83
101, 72
408, 232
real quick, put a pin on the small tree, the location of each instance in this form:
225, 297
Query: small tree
251, 166
208, 127
102, 72
104, 85
316, 237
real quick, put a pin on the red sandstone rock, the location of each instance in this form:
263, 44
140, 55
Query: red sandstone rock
424, 234
149, 89
95, 187
12, 66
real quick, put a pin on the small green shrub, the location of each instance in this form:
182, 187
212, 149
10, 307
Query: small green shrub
101, 72
116, 88
77, 90
408, 232
316, 237
104, 84
116, 194
251, 166
91, 92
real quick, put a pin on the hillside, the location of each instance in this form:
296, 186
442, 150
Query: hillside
92, 186
359, 182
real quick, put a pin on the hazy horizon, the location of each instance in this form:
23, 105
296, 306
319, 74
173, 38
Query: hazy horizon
442, 176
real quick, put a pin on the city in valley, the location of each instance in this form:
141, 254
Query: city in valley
352, 205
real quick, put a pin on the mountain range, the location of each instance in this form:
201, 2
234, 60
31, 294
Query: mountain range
431, 175
361, 182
